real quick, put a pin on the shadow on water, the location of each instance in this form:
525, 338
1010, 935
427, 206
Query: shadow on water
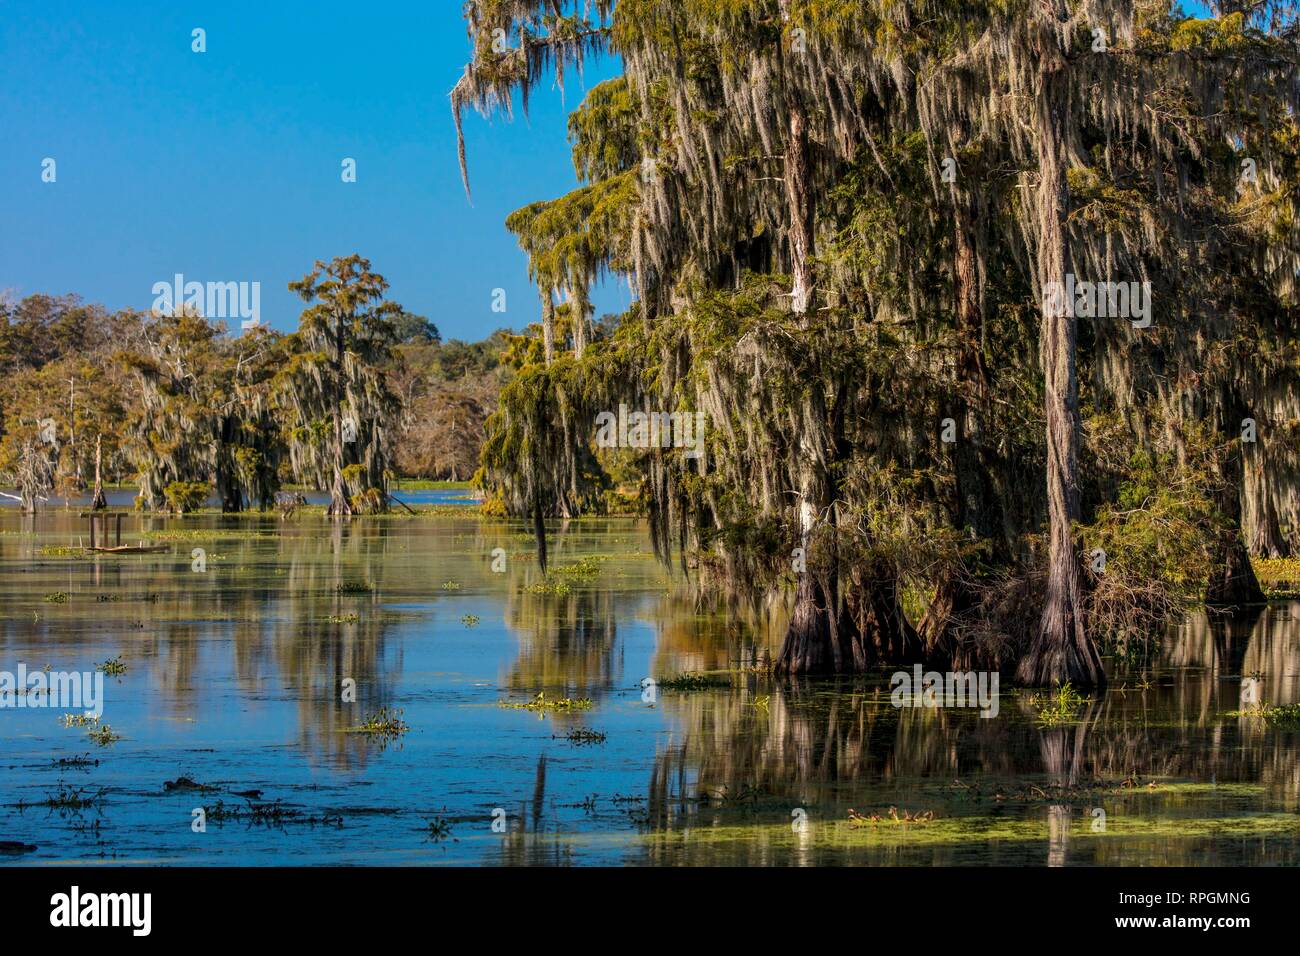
254, 649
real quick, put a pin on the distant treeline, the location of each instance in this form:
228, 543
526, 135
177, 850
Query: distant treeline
184, 408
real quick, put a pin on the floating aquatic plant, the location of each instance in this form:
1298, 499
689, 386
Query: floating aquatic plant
691, 681
74, 798
1270, 714
1059, 707
382, 723
891, 816
549, 587
113, 667
583, 736
543, 703
103, 735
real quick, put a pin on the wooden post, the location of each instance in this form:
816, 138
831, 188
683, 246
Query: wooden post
92, 531
118, 536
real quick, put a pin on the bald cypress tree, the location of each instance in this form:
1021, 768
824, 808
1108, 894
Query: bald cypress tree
754, 173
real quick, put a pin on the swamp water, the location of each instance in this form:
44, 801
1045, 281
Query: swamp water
234, 682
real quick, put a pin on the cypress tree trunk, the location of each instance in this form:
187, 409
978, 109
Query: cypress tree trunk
578, 318
339, 504
877, 615
972, 513
1259, 516
98, 502
799, 201
1233, 582
830, 632
548, 325
1061, 650
812, 641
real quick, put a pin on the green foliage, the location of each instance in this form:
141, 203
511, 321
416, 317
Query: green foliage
899, 135
333, 390
1157, 536
1061, 706
186, 496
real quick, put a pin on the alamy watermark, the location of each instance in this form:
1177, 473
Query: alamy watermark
949, 689
55, 690
1099, 300
212, 300
640, 429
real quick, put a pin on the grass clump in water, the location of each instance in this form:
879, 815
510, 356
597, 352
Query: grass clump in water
692, 681
1285, 716
543, 703
273, 813
1062, 706
583, 736
57, 597
353, 587
586, 569
113, 667
73, 798
103, 735
382, 723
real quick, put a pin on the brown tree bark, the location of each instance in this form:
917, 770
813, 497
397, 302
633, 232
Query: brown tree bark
1259, 516
339, 504
98, 502
799, 201
1061, 650
578, 319
955, 596
548, 325
1233, 582
831, 630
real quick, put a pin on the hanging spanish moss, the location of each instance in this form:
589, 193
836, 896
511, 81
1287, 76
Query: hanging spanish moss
867, 241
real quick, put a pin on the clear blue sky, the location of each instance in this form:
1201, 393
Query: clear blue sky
225, 165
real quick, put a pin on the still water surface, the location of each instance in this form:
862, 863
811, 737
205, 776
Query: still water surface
234, 679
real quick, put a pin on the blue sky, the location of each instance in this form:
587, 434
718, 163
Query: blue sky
225, 165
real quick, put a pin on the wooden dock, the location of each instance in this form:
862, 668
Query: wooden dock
100, 519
